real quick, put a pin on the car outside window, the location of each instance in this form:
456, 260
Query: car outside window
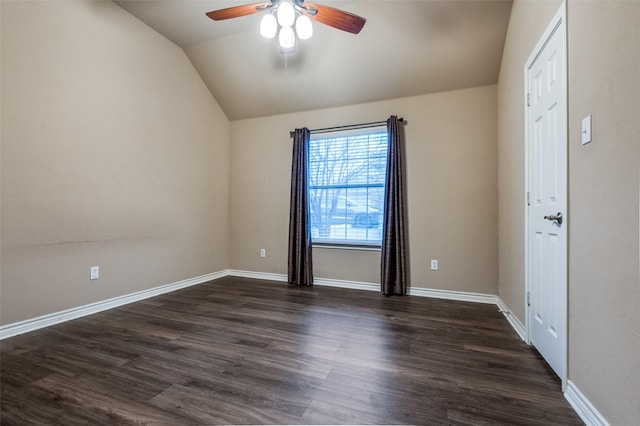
346, 187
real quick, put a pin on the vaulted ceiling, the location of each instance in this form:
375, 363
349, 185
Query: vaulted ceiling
406, 48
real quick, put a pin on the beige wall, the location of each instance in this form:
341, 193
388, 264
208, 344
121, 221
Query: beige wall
113, 154
451, 183
604, 281
528, 21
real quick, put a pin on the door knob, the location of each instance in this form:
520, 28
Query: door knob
557, 218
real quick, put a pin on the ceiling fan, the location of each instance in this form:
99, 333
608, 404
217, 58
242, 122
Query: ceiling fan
330, 16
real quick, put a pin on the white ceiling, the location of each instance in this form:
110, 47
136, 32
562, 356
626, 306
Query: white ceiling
406, 48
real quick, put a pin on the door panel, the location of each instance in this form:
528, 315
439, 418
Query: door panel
547, 186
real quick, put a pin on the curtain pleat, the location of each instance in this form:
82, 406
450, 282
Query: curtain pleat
300, 265
393, 279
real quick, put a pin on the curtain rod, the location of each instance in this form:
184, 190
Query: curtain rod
350, 126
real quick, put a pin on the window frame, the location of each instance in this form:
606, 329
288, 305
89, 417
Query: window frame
351, 244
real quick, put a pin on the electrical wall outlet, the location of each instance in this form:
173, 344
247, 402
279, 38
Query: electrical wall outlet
434, 264
95, 272
263, 252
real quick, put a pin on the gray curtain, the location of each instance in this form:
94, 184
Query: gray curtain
300, 263
393, 279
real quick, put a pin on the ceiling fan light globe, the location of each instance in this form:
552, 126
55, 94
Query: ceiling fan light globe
287, 38
268, 26
286, 14
304, 29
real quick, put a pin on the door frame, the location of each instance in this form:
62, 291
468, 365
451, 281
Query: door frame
557, 24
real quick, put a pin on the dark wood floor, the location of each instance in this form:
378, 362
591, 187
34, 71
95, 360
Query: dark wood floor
238, 351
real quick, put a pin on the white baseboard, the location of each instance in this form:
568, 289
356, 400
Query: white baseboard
327, 282
33, 324
513, 320
360, 285
355, 285
258, 275
583, 407
460, 296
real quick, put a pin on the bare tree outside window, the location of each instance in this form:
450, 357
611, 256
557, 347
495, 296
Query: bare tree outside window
346, 187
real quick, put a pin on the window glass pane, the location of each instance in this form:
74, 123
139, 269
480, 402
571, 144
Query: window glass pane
346, 186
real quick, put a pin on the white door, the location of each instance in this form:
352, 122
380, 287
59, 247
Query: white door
547, 197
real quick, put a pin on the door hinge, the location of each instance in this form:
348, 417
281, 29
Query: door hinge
528, 298
528, 99
528, 198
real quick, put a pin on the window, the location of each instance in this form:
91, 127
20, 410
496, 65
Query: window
346, 186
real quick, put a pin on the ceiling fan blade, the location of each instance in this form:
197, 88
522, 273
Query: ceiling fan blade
337, 18
236, 11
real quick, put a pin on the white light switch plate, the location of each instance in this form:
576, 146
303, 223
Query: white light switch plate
586, 130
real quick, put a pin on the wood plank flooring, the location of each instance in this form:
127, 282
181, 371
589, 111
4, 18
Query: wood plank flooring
239, 351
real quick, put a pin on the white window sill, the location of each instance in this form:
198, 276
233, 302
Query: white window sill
345, 247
